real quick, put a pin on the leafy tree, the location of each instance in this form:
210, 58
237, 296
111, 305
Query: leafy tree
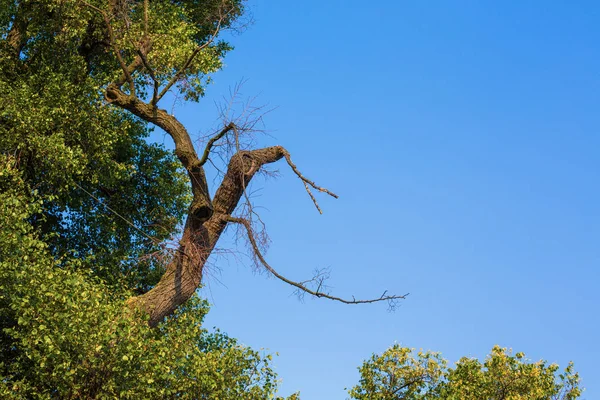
400, 373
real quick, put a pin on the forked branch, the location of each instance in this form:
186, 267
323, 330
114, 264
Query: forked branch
307, 182
391, 299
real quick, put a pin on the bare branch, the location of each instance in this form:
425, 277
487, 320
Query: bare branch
391, 299
201, 208
212, 141
307, 182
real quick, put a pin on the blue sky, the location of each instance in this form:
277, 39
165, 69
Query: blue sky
463, 139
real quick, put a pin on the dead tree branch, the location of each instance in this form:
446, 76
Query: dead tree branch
184, 262
211, 141
391, 299
307, 182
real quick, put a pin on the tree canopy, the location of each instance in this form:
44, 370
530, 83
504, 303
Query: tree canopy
403, 373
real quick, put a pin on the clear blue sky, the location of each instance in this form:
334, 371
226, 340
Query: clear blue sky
463, 138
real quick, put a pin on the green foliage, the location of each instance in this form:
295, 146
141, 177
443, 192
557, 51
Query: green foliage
67, 141
507, 376
66, 335
400, 373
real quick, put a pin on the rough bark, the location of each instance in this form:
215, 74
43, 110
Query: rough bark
207, 218
201, 208
184, 273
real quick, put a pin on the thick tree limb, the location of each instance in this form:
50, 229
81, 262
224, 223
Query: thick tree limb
242, 167
201, 207
182, 277
298, 285
185, 271
237, 177
208, 218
